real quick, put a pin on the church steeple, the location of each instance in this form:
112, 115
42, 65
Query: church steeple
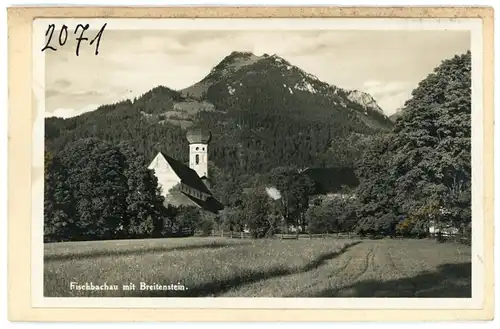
198, 150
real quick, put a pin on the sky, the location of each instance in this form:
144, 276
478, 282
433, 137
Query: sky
386, 64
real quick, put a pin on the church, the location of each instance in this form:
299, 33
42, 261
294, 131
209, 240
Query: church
183, 185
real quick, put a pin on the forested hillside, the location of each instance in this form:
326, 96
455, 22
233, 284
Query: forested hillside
262, 111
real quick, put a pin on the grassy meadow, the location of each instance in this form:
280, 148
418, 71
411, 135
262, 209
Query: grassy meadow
225, 267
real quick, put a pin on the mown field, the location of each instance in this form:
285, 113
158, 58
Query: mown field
261, 268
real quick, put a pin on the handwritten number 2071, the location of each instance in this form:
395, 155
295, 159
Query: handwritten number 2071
63, 37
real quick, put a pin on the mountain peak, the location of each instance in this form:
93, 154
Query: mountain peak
227, 66
238, 59
234, 61
240, 54
364, 99
241, 73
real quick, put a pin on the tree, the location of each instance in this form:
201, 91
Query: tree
58, 202
348, 218
256, 211
331, 215
170, 213
375, 193
432, 145
145, 210
422, 168
95, 176
294, 189
319, 219
232, 218
188, 219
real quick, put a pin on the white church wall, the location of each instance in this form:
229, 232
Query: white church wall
167, 178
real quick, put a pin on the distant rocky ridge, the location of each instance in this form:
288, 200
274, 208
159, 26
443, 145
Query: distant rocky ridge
396, 114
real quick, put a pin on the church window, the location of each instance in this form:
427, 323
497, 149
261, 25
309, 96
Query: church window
203, 149
197, 148
197, 159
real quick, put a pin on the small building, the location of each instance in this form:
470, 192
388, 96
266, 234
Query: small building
183, 185
446, 228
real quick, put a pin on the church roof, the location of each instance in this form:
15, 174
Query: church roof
178, 198
187, 175
211, 204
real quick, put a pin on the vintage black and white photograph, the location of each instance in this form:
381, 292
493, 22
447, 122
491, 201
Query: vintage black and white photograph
257, 161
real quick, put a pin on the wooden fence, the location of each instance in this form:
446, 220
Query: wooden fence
293, 236
283, 236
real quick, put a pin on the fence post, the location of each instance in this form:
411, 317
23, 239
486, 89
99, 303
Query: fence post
231, 234
222, 233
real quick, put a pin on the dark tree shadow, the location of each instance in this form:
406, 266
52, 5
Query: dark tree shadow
139, 251
448, 281
217, 287
315, 263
